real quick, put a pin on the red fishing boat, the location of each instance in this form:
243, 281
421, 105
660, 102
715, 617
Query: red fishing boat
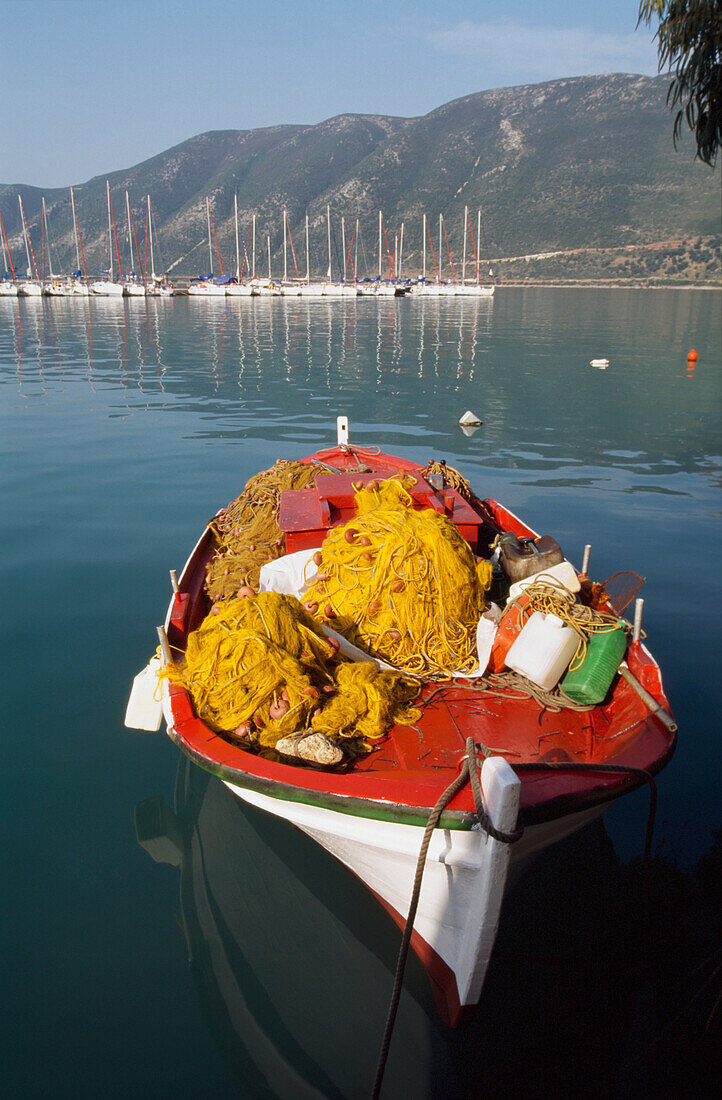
544, 773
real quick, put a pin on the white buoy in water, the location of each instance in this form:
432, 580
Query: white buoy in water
470, 420
601, 363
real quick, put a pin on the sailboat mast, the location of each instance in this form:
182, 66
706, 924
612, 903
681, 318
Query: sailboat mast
47, 239
328, 228
130, 233
210, 247
253, 252
110, 233
401, 250
150, 238
268, 242
238, 253
380, 230
441, 257
343, 246
25, 236
285, 250
7, 247
463, 261
478, 248
75, 231
423, 234
308, 269
355, 258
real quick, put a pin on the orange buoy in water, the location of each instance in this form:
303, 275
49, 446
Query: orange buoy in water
692, 356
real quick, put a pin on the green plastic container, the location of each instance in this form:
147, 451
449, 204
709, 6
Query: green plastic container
590, 682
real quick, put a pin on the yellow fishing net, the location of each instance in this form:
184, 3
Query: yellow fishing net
260, 669
247, 530
402, 584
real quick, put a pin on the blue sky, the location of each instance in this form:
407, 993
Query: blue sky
91, 86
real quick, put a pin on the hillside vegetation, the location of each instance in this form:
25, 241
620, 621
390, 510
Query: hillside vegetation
582, 171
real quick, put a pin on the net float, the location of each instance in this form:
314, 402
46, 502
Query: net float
277, 710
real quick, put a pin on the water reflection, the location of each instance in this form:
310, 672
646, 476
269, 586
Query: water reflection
604, 977
292, 959
521, 360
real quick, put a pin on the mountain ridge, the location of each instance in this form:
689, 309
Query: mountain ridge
581, 163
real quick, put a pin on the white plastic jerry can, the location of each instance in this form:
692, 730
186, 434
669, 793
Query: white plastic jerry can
145, 705
543, 650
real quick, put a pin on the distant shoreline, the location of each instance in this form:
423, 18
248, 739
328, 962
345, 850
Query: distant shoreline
587, 284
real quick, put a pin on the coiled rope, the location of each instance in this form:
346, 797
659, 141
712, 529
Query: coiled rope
549, 596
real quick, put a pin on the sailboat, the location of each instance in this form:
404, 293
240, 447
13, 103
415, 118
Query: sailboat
208, 288
267, 288
433, 289
30, 288
381, 286
477, 289
132, 288
289, 288
157, 287
310, 289
331, 289
7, 289
239, 289
78, 285
54, 287
108, 288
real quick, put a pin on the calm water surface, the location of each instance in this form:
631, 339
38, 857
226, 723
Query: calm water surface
252, 964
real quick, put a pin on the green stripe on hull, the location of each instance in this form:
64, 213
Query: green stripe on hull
354, 807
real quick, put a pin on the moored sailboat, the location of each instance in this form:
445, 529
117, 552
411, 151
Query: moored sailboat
8, 288
158, 286
208, 288
29, 287
109, 288
476, 289
133, 286
239, 289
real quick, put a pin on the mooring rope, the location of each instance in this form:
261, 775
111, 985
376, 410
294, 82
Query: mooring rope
469, 771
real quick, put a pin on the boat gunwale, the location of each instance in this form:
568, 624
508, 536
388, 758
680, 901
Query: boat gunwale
554, 797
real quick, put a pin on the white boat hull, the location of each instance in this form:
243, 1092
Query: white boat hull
105, 289
339, 290
465, 877
8, 290
134, 290
463, 884
434, 290
30, 290
207, 290
240, 290
313, 290
475, 291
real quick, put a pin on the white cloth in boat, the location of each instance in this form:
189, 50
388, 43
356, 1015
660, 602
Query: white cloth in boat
292, 575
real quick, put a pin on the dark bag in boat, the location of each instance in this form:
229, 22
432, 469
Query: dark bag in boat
522, 558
